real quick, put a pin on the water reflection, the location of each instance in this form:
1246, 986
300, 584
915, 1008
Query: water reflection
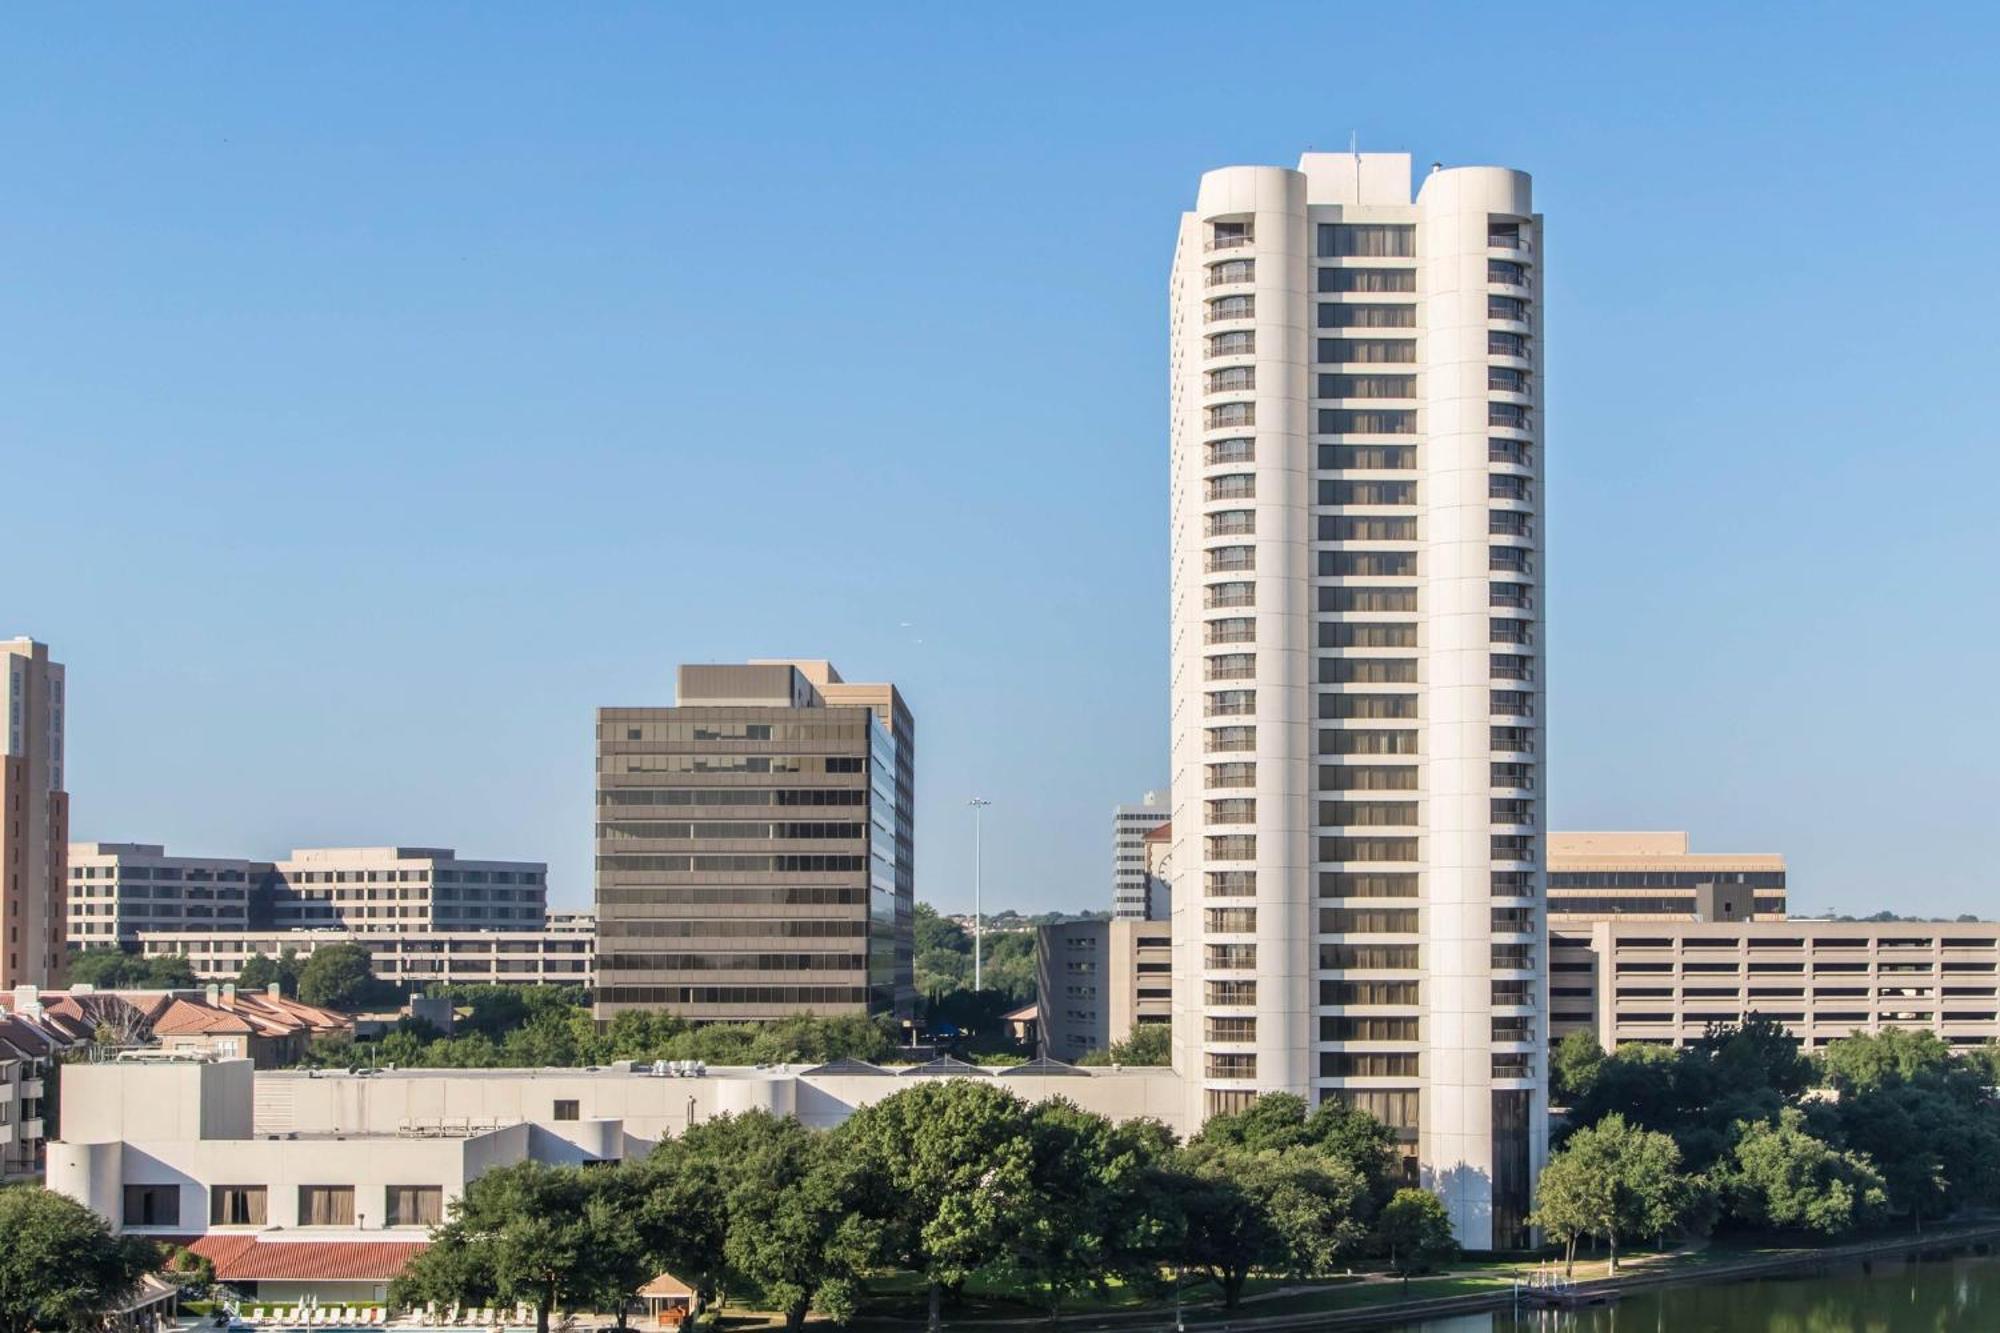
1885, 1296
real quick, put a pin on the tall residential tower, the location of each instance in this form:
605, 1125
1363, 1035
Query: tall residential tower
1356, 659
34, 817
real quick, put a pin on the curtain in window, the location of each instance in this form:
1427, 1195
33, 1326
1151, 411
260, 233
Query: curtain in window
326, 1205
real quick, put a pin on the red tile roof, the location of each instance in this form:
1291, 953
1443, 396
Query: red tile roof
248, 1259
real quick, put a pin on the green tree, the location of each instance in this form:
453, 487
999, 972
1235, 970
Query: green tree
260, 971
61, 1269
1416, 1231
545, 1236
1614, 1180
1149, 1044
1867, 1062
1574, 1067
1335, 1128
113, 969
1780, 1176
339, 976
794, 1228
1290, 1210
948, 1162
1089, 1208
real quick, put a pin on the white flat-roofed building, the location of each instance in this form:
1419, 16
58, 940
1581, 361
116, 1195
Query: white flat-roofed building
361, 1166
403, 889
117, 889
1357, 697
444, 957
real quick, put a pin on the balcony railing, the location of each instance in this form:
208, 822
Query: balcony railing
1231, 241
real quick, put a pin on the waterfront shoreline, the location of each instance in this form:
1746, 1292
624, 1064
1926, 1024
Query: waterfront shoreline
1584, 1292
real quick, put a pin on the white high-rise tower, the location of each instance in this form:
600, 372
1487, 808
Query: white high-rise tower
1357, 670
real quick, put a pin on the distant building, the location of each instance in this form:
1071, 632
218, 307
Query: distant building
118, 889
1653, 876
1135, 894
261, 1026
755, 847
402, 889
555, 956
1666, 982
34, 816
1098, 981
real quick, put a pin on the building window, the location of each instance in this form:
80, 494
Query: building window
1368, 492
1367, 351
1369, 316
1380, 421
1368, 457
416, 1205
1234, 1064
1369, 240
1355, 1064
1236, 449
152, 1205
238, 1206
1369, 386
1231, 1029
326, 1205
567, 1110
1367, 279
1233, 307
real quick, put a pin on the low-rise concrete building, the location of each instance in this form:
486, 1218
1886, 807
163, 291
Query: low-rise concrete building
117, 889
1098, 981
554, 956
403, 889
247, 1163
1666, 982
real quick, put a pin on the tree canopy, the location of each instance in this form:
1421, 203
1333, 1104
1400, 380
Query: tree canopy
533, 1234
342, 977
113, 969
61, 1268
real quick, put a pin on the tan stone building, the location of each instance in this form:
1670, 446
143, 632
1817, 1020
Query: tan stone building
1666, 982
1654, 876
34, 816
1651, 942
755, 846
1098, 981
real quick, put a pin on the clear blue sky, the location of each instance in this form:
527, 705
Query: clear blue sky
382, 387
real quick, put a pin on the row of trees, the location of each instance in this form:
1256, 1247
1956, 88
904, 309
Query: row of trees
552, 1026
946, 1180
1743, 1130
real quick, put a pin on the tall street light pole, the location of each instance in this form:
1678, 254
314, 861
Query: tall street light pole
978, 805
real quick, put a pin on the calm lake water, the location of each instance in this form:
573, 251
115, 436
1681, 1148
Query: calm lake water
1893, 1296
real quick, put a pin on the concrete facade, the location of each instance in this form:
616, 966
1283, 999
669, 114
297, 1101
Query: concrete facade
755, 847
1357, 686
118, 889
1097, 981
1136, 893
1654, 876
401, 888
1666, 982
408, 958
34, 817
